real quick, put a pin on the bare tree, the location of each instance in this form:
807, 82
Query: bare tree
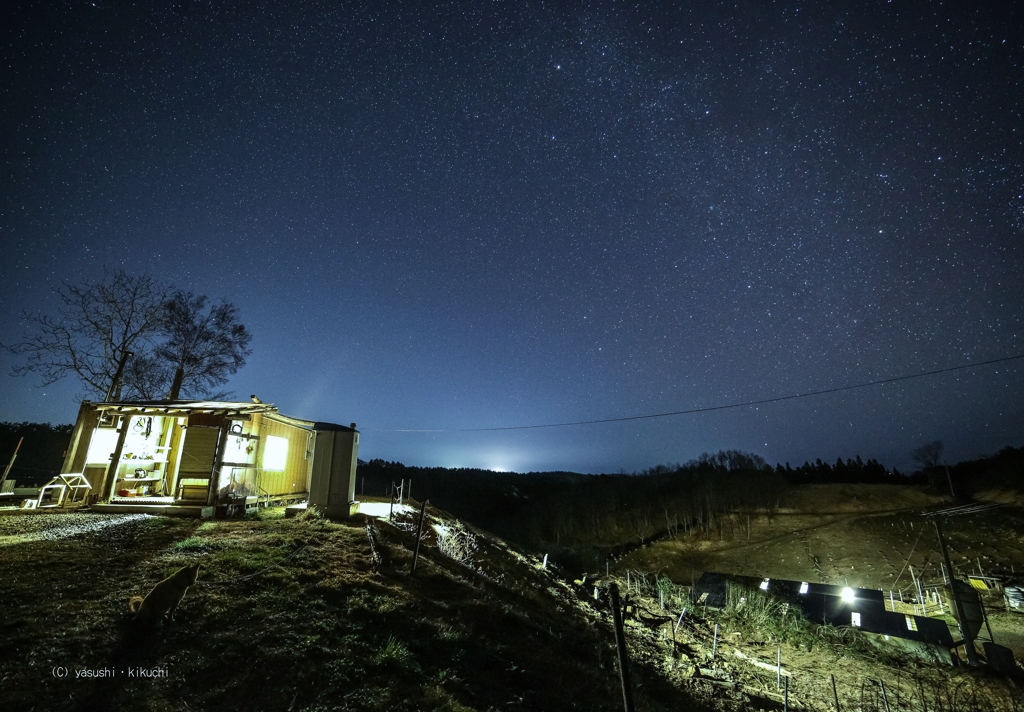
204, 345
928, 455
97, 323
177, 343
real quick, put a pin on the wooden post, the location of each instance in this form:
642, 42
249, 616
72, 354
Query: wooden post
620, 644
419, 535
835, 695
714, 644
965, 632
778, 671
10, 464
115, 458
984, 616
885, 699
785, 699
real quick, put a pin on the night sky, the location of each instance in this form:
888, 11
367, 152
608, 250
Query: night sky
446, 216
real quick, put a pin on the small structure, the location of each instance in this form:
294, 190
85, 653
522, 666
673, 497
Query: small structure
198, 457
62, 491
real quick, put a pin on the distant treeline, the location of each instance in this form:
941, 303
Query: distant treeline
1002, 471
584, 519
855, 470
42, 452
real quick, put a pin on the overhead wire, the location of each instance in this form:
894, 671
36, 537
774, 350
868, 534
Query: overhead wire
708, 409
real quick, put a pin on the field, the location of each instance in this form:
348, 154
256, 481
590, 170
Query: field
306, 614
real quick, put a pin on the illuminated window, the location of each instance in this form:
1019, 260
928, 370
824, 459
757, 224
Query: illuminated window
804, 587
101, 447
855, 619
275, 454
764, 585
911, 623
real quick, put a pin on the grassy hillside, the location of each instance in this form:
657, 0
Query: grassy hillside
314, 615
302, 615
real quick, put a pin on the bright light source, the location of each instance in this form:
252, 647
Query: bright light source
275, 454
101, 447
847, 595
804, 587
764, 585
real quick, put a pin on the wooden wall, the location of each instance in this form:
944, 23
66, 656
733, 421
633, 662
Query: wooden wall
295, 476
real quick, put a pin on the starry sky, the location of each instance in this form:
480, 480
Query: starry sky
460, 215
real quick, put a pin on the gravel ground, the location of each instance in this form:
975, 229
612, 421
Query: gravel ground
39, 527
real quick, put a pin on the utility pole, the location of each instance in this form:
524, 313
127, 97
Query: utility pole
965, 633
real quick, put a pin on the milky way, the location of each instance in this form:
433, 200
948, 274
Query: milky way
475, 215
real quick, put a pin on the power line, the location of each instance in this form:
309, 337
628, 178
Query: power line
708, 409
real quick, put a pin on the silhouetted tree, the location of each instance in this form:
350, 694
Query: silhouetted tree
928, 455
179, 344
204, 344
96, 323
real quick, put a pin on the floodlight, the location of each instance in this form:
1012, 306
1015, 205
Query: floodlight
847, 595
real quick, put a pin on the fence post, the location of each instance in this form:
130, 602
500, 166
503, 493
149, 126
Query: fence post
835, 695
419, 535
885, 699
620, 644
778, 671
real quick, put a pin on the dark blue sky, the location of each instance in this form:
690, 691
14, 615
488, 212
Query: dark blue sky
482, 214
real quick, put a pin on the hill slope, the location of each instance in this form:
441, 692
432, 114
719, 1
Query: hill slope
313, 615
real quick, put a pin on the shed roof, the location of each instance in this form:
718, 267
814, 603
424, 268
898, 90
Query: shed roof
224, 408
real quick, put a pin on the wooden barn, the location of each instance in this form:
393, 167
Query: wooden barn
196, 457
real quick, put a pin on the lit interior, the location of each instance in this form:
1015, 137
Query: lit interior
101, 447
804, 587
275, 453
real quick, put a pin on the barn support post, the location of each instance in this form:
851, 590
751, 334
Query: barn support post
218, 464
10, 464
115, 458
